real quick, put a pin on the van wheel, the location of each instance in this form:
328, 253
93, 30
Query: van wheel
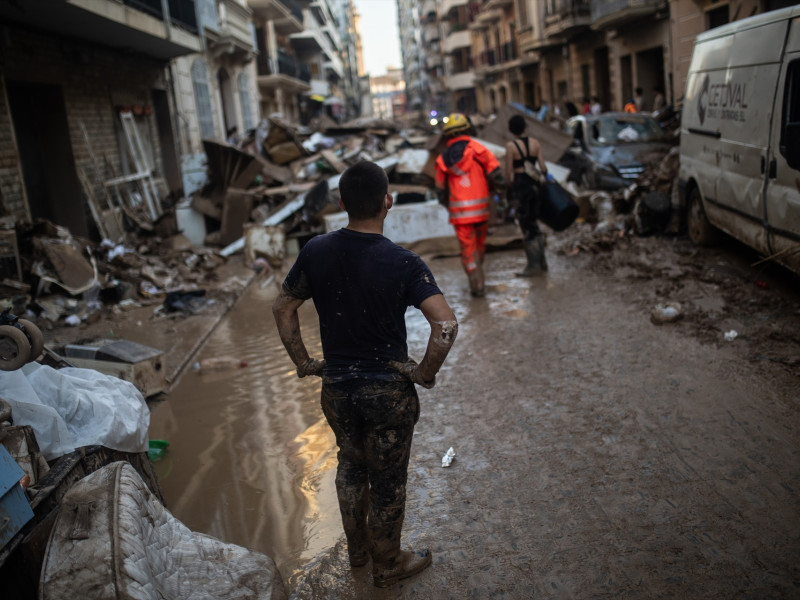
701, 232
15, 349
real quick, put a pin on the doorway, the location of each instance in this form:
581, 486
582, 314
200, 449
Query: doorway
51, 183
601, 70
167, 142
228, 101
650, 73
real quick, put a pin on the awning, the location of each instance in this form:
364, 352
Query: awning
317, 98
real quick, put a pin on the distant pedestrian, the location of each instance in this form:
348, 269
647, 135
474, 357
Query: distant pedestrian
630, 106
586, 109
638, 99
525, 190
463, 174
361, 284
597, 108
659, 103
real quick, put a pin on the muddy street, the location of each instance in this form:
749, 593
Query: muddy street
597, 454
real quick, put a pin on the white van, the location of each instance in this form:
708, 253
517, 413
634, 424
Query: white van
740, 135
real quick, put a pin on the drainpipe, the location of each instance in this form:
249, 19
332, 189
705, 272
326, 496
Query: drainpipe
167, 20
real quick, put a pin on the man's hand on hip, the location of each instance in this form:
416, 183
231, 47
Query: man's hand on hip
311, 367
410, 369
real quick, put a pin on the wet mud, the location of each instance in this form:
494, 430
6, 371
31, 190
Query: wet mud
597, 454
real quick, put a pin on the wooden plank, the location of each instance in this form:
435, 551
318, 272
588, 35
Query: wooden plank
334, 161
93, 206
235, 213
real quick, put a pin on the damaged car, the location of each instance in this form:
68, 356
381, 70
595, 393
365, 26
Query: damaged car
619, 144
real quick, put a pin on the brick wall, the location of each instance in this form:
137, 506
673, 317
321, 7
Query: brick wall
94, 81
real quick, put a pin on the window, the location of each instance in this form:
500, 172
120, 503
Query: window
790, 122
244, 98
202, 98
718, 16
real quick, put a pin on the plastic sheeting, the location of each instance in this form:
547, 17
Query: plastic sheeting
71, 407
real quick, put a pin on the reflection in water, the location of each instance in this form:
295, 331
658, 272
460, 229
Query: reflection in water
251, 457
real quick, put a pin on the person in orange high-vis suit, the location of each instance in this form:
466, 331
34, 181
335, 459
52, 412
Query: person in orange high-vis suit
463, 174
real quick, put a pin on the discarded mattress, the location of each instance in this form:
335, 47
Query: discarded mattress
113, 540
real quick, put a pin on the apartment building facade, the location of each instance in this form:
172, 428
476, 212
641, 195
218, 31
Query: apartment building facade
67, 71
536, 52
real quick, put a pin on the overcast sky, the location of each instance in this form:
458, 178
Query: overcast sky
379, 36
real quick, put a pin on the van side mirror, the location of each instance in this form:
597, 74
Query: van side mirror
790, 145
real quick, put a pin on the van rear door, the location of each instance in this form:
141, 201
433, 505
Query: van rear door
783, 184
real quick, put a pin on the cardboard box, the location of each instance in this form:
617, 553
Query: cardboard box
143, 366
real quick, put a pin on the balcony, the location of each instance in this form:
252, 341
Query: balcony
487, 17
430, 32
286, 15
492, 4
568, 18
445, 6
456, 40
233, 35
428, 10
139, 27
613, 13
433, 61
460, 81
496, 57
287, 73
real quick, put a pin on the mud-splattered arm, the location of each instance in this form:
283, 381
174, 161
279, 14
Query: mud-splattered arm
284, 309
444, 329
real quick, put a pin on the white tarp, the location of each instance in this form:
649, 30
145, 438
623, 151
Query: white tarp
71, 407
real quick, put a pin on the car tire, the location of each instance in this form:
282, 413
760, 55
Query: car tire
35, 336
15, 349
701, 232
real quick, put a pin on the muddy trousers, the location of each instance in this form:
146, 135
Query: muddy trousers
373, 422
472, 240
525, 194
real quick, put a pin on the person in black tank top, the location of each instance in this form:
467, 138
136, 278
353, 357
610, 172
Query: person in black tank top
525, 191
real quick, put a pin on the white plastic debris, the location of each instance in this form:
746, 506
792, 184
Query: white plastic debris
73, 320
731, 335
666, 313
448, 457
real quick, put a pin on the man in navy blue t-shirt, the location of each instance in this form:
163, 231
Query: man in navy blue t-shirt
361, 284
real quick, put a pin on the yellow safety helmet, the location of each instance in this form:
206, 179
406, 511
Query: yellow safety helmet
455, 123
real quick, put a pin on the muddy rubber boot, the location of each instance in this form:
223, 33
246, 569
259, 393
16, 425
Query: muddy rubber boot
406, 564
475, 278
534, 252
389, 563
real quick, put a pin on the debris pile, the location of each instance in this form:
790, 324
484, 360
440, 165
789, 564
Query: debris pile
267, 195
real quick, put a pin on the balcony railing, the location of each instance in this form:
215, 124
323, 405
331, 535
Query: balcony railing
497, 56
181, 12
287, 65
615, 12
293, 7
567, 16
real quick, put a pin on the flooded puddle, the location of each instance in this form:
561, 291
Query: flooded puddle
251, 459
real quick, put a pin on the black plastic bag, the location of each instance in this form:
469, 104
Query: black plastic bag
558, 210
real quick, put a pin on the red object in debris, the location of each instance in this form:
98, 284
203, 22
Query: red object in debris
762, 284
243, 363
